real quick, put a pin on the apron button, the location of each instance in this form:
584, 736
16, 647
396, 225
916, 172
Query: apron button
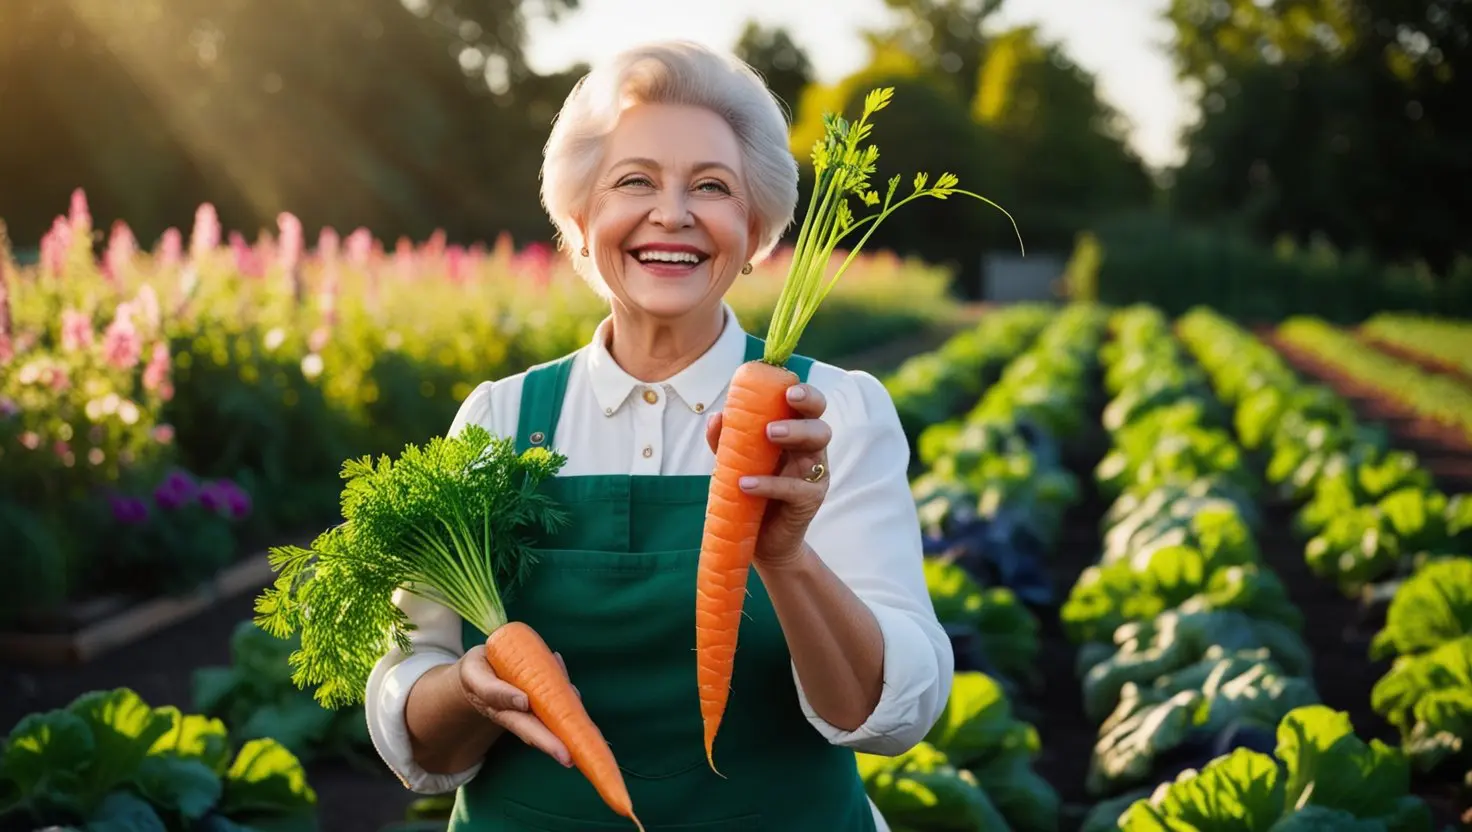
651, 396
538, 437
648, 451
700, 407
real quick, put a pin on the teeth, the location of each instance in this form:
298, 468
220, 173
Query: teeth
647, 256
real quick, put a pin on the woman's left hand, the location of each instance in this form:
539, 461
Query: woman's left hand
793, 497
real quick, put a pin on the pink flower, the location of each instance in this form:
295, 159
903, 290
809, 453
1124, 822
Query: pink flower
55, 245
80, 216
162, 434
404, 257
121, 344
290, 253
206, 235
455, 261
121, 247
328, 244
76, 330
31, 440
156, 374
171, 248
56, 377
246, 260
360, 247
7, 350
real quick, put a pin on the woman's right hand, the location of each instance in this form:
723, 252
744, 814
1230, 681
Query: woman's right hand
505, 705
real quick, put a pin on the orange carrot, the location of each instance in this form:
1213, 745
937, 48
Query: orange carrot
757, 393
444, 522
519, 655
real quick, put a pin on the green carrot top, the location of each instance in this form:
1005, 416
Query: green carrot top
447, 522
842, 166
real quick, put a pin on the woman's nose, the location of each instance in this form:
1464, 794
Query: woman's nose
671, 210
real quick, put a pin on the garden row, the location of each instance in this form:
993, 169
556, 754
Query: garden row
1374, 526
165, 411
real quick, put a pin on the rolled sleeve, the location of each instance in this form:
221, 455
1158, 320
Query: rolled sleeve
388, 688
868, 533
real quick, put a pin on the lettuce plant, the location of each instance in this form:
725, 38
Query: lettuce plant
110, 761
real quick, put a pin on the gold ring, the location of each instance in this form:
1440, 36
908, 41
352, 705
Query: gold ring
819, 471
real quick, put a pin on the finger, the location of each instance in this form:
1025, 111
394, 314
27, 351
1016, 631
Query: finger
713, 431
532, 732
804, 436
807, 400
489, 692
785, 489
563, 665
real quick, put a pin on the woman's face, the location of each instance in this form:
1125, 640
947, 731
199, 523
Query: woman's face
669, 223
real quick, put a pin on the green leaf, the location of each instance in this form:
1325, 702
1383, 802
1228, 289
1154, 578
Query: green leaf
211, 687
55, 748
921, 789
123, 728
268, 779
1241, 792
1434, 606
1329, 766
123, 811
186, 788
195, 737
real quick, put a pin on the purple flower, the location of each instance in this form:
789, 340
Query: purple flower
226, 499
177, 490
129, 511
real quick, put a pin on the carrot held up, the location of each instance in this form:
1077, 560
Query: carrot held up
757, 396
447, 521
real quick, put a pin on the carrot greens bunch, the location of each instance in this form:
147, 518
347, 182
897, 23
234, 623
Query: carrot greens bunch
447, 521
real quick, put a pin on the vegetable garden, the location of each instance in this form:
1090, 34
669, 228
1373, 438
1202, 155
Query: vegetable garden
1198, 575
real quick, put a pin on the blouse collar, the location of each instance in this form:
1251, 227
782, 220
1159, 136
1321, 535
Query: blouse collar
697, 386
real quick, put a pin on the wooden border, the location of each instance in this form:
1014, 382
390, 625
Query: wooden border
135, 622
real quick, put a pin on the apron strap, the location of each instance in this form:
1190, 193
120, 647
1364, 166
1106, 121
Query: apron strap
541, 403
544, 386
799, 364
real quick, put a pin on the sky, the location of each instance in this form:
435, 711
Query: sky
1120, 41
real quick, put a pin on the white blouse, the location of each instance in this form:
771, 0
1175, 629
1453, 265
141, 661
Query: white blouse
867, 531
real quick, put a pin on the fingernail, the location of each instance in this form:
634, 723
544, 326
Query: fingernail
796, 394
776, 431
566, 763
748, 482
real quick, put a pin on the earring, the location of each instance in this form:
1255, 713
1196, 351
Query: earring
584, 252
746, 269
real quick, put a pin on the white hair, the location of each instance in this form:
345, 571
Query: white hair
668, 72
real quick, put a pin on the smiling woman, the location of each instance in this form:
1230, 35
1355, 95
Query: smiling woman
667, 174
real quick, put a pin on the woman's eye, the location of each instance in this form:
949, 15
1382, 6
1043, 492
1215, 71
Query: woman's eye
713, 185
634, 180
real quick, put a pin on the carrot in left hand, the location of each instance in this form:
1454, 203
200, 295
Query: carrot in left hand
757, 395
447, 522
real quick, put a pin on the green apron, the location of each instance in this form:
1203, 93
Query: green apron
614, 593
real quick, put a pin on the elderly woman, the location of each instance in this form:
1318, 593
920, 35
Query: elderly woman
667, 175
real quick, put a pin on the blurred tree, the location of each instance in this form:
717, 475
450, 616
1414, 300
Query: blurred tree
345, 112
784, 65
1341, 118
944, 36
1032, 135
1065, 149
